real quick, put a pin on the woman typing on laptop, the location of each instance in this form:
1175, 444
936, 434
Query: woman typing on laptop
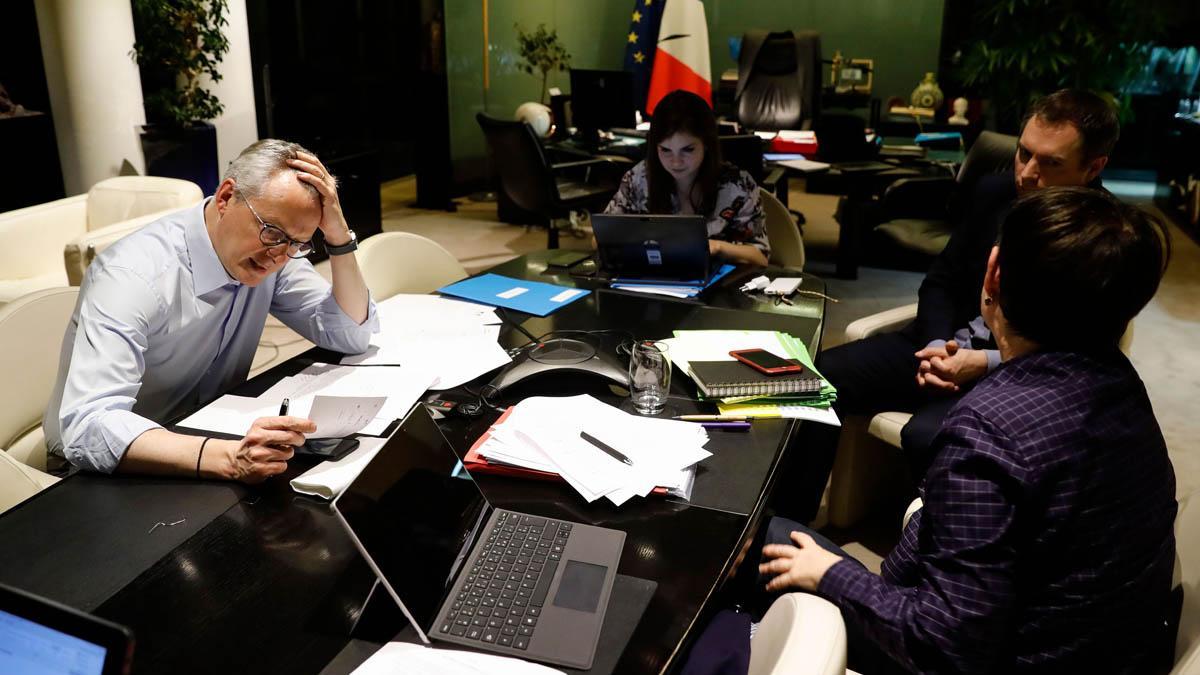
683, 175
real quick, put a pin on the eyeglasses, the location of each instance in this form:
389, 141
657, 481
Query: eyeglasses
271, 236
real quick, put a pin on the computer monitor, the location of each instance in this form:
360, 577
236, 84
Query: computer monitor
601, 100
39, 636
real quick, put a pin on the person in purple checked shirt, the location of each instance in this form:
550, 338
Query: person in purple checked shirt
1045, 542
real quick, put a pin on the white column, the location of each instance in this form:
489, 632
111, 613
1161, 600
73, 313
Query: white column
95, 90
237, 127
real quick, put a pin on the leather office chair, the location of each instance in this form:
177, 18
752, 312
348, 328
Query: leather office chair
534, 184
31, 335
403, 262
787, 243
779, 80
919, 213
19, 482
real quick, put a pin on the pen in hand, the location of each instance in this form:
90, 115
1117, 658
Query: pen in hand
605, 448
283, 407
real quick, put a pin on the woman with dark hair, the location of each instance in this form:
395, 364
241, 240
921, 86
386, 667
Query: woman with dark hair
1045, 541
683, 174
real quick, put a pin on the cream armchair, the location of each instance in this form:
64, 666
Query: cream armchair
33, 239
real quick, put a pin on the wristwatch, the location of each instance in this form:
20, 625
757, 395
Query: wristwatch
345, 248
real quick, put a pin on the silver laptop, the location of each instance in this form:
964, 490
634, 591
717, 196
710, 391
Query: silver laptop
465, 572
642, 247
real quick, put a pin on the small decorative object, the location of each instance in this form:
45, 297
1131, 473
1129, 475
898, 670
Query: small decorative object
542, 52
960, 112
537, 116
855, 75
927, 94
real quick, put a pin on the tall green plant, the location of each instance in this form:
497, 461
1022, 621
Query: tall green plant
542, 52
1022, 49
177, 42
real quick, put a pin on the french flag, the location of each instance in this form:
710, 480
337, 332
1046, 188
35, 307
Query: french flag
681, 60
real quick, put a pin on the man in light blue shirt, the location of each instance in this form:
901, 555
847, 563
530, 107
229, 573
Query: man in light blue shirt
170, 317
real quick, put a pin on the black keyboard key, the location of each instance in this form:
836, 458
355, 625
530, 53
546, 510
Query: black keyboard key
527, 584
487, 602
447, 626
458, 631
518, 612
505, 641
543, 586
529, 621
533, 520
499, 612
479, 621
474, 633
495, 623
526, 631
534, 611
463, 621
519, 601
483, 611
521, 643
509, 630
512, 621
556, 556
490, 635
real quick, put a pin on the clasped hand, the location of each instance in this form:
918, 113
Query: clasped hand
948, 367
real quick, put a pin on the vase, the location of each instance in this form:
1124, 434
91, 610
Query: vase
927, 94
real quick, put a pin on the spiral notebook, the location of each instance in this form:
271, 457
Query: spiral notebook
722, 379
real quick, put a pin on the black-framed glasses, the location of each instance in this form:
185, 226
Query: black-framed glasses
271, 236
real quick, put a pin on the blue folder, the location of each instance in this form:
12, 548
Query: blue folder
693, 286
531, 297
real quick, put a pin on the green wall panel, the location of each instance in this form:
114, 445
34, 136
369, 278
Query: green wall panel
902, 36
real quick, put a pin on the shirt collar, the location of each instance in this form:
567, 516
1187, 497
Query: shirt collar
208, 274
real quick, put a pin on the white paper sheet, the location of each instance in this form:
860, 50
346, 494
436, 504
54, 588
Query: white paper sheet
329, 478
403, 657
340, 416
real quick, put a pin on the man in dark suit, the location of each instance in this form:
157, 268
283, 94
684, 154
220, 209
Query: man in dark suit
924, 368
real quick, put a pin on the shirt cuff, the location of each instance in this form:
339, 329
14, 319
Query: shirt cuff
846, 580
936, 343
338, 332
102, 445
993, 358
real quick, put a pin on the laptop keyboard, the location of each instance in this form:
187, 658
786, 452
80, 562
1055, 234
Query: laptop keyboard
501, 597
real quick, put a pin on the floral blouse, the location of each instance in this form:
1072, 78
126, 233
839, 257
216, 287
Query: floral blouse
738, 217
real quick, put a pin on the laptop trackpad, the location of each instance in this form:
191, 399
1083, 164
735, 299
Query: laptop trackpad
581, 586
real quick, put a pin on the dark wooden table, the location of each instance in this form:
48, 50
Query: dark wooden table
262, 580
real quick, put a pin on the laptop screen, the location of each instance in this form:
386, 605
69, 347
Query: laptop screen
29, 648
415, 518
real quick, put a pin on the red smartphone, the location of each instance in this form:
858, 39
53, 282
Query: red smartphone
765, 362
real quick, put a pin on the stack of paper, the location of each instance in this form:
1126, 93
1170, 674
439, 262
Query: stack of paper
454, 339
714, 345
683, 289
342, 400
547, 434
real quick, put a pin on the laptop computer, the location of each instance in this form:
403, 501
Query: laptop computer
646, 247
41, 636
467, 573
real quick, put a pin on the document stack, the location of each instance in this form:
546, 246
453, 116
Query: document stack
599, 450
456, 340
813, 403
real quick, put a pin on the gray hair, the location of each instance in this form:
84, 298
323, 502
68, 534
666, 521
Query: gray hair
259, 163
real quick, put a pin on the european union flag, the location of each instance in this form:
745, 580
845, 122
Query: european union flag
640, 45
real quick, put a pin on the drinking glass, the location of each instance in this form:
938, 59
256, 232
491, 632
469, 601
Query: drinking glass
649, 376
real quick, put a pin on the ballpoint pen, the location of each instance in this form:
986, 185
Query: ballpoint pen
283, 407
605, 448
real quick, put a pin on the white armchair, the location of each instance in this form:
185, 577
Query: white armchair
33, 239
801, 634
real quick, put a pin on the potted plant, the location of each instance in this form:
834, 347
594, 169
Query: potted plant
541, 53
178, 41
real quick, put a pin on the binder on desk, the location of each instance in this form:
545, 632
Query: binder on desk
532, 297
723, 379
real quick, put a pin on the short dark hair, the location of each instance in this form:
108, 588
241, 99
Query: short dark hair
681, 110
1092, 115
1076, 265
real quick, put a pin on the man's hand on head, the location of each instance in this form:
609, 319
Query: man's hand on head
333, 223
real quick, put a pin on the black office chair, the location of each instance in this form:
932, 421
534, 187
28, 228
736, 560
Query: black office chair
745, 151
551, 191
779, 80
919, 213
